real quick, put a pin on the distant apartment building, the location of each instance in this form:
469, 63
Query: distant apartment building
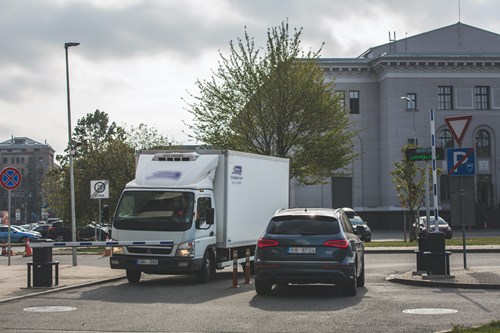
34, 160
389, 91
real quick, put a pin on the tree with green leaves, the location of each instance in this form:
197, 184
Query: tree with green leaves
409, 182
275, 102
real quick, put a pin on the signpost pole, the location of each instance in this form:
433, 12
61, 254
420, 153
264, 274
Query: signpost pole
427, 197
10, 179
99, 219
461, 191
8, 237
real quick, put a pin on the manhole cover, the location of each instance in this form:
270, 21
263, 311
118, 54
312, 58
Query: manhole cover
429, 311
50, 309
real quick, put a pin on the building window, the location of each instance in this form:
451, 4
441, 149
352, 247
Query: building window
341, 98
5, 160
483, 144
482, 98
446, 139
354, 101
411, 101
445, 97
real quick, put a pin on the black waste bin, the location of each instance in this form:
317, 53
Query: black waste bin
437, 259
42, 267
423, 246
436, 242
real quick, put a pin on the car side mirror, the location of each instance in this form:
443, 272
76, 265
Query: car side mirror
359, 229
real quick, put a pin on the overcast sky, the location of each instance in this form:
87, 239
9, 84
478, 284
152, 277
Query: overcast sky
138, 59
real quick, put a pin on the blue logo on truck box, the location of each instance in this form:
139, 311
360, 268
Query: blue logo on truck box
237, 170
236, 174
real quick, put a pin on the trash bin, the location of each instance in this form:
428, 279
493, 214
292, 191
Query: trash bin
437, 258
436, 242
42, 267
423, 246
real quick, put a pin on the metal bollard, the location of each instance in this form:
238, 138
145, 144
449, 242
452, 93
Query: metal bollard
235, 269
247, 267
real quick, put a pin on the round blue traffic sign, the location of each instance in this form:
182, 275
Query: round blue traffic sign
10, 178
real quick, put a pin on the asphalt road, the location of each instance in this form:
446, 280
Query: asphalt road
179, 304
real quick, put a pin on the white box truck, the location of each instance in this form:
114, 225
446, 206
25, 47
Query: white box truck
186, 212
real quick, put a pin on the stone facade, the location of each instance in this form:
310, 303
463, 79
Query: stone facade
34, 160
454, 70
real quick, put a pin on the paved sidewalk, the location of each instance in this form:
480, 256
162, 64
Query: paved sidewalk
90, 270
472, 278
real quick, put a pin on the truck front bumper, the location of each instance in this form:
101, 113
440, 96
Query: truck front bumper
155, 265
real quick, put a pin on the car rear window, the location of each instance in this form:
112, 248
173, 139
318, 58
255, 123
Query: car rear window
303, 225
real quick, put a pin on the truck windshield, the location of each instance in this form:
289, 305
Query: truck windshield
155, 210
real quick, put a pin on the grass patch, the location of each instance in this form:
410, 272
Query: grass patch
493, 327
449, 242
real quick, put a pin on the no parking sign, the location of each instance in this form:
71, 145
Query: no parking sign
10, 178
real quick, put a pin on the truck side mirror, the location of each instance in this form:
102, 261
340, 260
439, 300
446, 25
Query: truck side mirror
210, 216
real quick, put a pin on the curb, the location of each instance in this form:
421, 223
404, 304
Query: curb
443, 284
412, 250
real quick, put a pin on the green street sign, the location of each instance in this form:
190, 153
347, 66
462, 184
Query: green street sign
423, 154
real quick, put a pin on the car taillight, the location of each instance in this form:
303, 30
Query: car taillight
51, 228
340, 243
266, 242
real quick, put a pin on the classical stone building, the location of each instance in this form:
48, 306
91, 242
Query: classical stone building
389, 91
33, 160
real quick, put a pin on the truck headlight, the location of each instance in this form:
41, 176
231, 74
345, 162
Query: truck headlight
185, 250
117, 250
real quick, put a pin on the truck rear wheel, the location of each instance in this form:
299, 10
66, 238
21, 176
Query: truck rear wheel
133, 276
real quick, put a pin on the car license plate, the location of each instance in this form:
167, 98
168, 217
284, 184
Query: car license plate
147, 261
302, 250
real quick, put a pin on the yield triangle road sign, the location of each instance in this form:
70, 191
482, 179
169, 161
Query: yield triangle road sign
458, 126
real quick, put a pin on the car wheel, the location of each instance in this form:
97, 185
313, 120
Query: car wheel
59, 238
133, 276
263, 287
23, 239
350, 288
207, 268
360, 282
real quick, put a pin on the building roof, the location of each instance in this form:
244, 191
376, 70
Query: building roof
23, 142
455, 39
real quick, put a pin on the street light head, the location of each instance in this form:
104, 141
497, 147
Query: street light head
406, 98
66, 45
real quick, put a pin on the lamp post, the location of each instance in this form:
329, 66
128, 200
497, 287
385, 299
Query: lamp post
71, 152
412, 104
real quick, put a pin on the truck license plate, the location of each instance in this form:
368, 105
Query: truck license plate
147, 261
302, 250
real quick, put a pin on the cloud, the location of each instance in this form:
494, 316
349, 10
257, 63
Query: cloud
138, 58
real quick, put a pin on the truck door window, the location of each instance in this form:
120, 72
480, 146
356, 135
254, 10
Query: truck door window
203, 207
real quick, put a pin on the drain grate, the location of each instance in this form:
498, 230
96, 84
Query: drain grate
50, 309
430, 311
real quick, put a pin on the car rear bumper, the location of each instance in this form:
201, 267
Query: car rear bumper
289, 272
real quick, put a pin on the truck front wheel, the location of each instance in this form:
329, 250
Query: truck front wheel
133, 276
207, 268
